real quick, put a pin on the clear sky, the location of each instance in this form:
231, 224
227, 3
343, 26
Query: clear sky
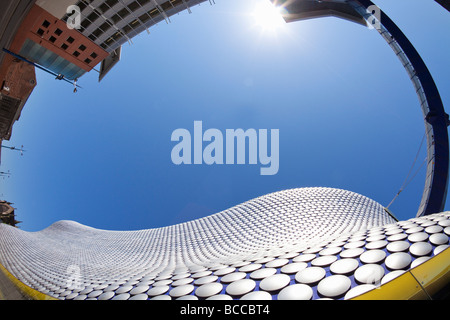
347, 114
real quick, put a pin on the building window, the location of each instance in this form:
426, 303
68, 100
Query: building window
94, 55
111, 3
45, 24
166, 5
88, 60
176, 2
107, 5
64, 46
143, 2
127, 29
40, 32
116, 18
82, 47
93, 16
133, 6
76, 53
52, 39
153, 13
70, 40
105, 26
117, 36
103, 7
144, 18
58, 31
122, 14
97, 32
86, 23
82, 5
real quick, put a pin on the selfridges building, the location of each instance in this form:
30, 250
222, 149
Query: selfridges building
308, 243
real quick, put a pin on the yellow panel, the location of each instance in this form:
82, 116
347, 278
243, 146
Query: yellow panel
419, 283
404, 287
434, 274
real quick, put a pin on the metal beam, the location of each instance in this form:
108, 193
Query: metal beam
436, 120
444, 3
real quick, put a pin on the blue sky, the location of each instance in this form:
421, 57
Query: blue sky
346, 111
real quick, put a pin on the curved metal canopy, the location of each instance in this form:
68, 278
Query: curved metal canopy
436, 120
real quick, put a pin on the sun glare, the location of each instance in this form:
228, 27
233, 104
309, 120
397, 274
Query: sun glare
267, 17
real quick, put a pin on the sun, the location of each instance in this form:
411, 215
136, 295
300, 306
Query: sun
267, 17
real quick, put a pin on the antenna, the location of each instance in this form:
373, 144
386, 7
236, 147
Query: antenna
5, 174
15, 149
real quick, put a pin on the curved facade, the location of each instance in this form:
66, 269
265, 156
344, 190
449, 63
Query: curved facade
307, 243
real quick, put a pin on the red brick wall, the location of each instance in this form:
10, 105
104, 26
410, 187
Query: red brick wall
53, 34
